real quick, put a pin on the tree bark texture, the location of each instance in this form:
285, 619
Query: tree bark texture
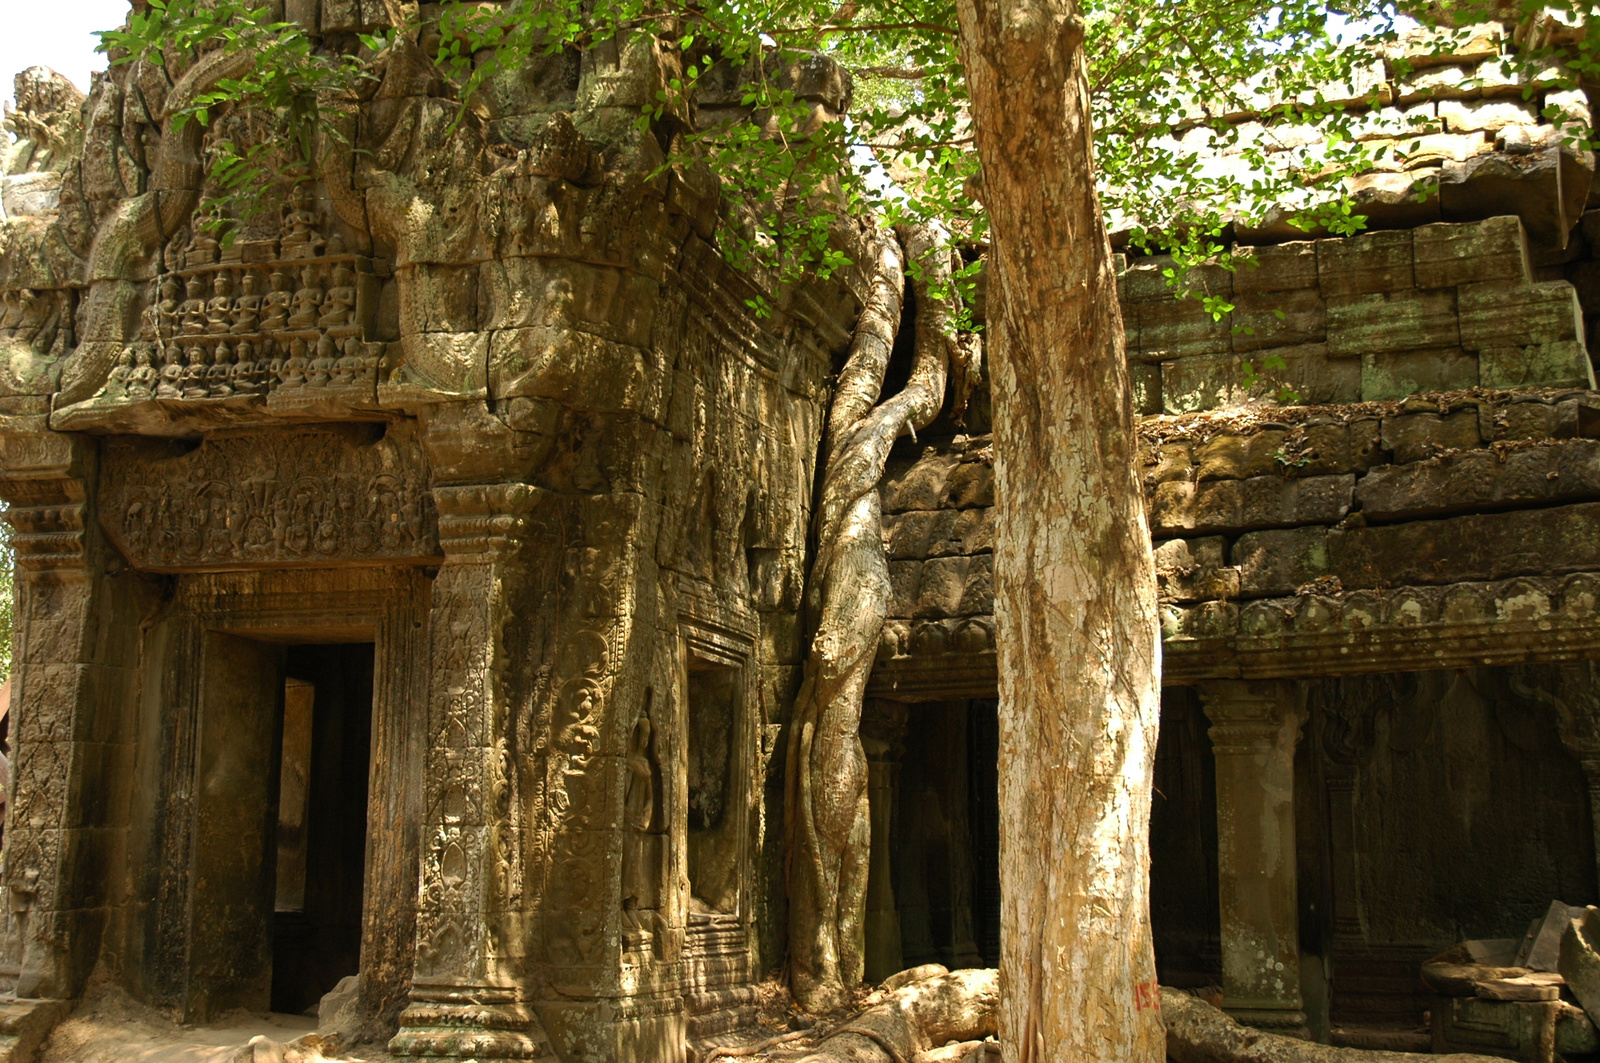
1075, 597
829, 831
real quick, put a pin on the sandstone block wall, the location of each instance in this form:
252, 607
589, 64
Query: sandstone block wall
1373, 317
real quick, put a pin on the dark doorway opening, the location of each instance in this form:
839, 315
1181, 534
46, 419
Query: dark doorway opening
946, 836
325, 753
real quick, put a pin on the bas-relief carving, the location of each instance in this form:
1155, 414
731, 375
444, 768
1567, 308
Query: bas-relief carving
314, 497
284, 318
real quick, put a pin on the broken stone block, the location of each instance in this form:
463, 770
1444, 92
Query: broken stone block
1461, 979
1579, 962
1402, 320
1564, 364
1365, 264
1278, 319
1397, 374
1417, 436
1176, 462
1524, 987
1541, 949
1190, 570
1498, 314
1492, 250
1547, 188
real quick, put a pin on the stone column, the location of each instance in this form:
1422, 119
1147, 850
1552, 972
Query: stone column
465, 1002
53, 935
1254, 728
883, 918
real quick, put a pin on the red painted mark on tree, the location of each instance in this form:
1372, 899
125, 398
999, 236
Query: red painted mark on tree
1147, 995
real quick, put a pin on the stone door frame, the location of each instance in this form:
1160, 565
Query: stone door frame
387, 607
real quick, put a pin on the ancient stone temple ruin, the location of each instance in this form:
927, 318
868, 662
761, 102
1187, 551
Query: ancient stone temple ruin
412, 585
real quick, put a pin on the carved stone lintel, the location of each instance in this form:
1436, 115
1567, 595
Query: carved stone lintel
1254, 729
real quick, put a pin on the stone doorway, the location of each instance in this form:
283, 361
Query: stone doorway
324, 761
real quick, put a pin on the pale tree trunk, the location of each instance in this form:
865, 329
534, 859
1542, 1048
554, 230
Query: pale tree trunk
826, 812
1079, 651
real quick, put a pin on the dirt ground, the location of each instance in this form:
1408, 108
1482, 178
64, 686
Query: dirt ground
110, 1027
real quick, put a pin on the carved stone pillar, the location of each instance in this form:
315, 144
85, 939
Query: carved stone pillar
465, 1002
45, 478
1254, 729
883, 725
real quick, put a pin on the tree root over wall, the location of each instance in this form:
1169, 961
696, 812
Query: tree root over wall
826, 800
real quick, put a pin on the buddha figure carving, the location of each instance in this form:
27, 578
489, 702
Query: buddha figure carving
300, 236
121, 373
192, 313
293, 373
247, 307
275, 305
348, 368
243, 374
272, 361
220, 373
195, 385
322, 366
219, 311
168, 309
142, 382
307, 301
171, 385
340, 304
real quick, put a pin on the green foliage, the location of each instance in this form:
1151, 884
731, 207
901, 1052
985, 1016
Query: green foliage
1168, 83
290, 93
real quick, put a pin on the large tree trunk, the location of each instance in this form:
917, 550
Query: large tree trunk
829, 832
1075, 600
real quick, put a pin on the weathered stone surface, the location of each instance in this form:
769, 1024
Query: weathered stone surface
1278, 319
1194, 569
1279, 562
1257, 502
1563, 364
1415, 436
1234, 457
1372, 263
1173, 327
1498, 314
1276, 268
1482, 479
1486, 115
1491, 250
1396, 374
1392, 320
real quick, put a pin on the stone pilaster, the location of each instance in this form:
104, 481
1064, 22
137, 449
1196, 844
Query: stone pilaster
45, 479
1254, 729
465, 1002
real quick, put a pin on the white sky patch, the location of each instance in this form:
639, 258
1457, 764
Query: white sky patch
55, 33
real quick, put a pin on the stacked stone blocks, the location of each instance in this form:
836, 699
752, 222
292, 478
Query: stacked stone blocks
1371, 317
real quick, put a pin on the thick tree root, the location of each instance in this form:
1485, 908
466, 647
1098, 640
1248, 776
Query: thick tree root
826, 810
917, 1018
1200, 1033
